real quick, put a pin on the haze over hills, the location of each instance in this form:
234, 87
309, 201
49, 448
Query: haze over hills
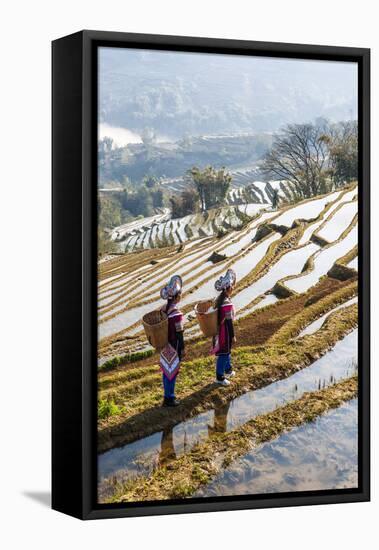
178, 94
163, 114
194, 179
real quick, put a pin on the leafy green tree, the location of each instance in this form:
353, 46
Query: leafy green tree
190, 201
184, 204
176, 206
137, 201
104, 244
157, 196
212, 185
109, 212
343, 144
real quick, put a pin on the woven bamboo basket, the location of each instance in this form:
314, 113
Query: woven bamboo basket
207, 319
155, 324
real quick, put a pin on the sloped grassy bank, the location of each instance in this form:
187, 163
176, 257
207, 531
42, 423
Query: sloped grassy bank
138, 399
182, 477
255, 328
340, 269
313, 310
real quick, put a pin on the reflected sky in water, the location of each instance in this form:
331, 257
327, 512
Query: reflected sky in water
142, 456
316, 456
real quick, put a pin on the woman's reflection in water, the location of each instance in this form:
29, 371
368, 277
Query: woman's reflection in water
168, 453
220, 420
167, 447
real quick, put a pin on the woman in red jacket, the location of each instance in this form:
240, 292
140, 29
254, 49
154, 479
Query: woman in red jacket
173, 352
222, 343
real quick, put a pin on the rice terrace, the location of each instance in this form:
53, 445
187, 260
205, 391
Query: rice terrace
288, 302
278, 207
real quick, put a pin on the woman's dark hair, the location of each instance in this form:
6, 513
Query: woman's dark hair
170, 301
219, 301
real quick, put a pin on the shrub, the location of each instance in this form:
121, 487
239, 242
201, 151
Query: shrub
107, 408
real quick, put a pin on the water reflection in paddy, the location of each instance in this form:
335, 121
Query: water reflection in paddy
290, 264
313, 327
316, 456
142, 456
323, 261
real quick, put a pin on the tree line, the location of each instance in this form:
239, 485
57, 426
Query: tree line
315, 158
134, 200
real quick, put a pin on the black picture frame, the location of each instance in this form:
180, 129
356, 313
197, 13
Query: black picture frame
74, 271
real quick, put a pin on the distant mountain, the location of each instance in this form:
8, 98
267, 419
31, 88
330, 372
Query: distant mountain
178, 94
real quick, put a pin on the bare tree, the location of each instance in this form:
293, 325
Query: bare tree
300, 155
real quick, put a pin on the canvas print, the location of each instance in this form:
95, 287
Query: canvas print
227, 275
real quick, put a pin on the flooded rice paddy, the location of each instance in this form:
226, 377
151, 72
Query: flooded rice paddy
307, 211
313, 327
337, 223
323, 261
141, 457
242, 266
320, 455
290, 264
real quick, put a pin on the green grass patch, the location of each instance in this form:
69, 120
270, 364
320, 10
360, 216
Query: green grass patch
107, 408
119, 360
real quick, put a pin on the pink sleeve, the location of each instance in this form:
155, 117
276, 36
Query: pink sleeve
228, 311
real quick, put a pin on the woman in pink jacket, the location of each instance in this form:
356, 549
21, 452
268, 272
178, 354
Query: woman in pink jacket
222, 343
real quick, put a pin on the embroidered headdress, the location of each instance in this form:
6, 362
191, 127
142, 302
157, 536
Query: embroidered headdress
173, 287
226, 281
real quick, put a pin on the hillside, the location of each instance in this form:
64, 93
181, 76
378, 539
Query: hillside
157, 232
296, 304
160, 230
